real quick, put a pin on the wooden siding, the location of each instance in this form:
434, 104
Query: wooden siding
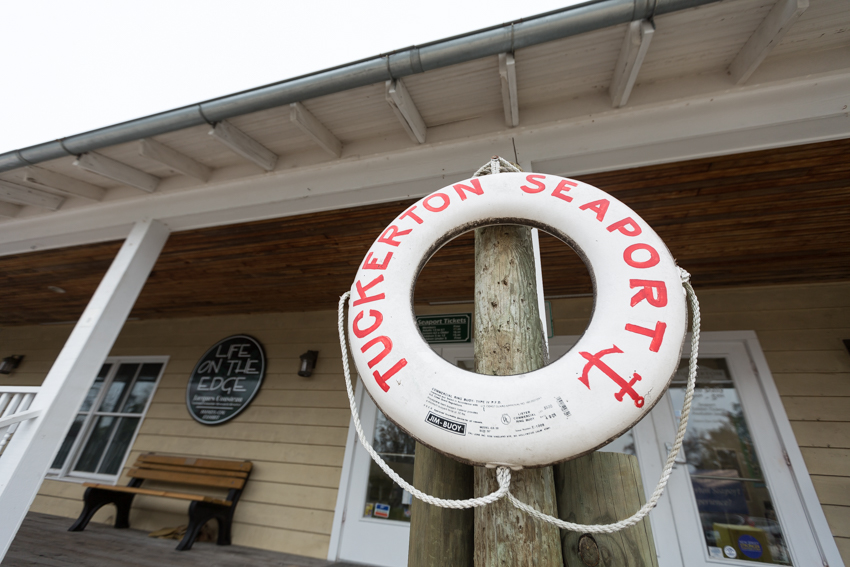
295, 429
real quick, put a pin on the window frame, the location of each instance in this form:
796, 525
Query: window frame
66, 472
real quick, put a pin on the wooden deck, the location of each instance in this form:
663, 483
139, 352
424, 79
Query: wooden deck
44, 541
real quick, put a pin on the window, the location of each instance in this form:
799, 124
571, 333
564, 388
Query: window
101, 435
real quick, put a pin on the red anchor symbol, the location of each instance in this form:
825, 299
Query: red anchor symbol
626, 387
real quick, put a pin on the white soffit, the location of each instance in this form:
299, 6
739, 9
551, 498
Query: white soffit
751, 118
702, 40
457, 93
824, 25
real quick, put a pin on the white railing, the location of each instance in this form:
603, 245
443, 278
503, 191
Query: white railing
15, 402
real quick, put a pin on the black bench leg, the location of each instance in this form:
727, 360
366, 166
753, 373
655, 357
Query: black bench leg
122, 514
224, 529
95, 499
199, 514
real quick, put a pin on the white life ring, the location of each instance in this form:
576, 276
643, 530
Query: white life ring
611, 378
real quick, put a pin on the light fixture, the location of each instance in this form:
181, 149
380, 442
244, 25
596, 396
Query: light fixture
308, 362
56, 289
10, 363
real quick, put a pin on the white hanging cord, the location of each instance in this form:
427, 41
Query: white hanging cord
503, 474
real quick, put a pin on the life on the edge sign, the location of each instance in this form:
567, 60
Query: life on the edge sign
226, 379
456, 328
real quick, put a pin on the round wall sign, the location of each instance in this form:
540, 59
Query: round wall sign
226, 379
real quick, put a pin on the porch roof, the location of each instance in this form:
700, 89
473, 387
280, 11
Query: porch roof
572, 119
759, 218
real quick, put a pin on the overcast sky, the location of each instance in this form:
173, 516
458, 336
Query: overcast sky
70, 67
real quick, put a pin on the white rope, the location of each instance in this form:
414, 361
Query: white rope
671, 458
496, 165
503, 474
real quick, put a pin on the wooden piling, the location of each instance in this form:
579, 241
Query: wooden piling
509, 340
601, 488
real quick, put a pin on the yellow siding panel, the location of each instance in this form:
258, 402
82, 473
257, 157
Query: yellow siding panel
822, 433
833, 489
287, 541
839, 519
809, 361
270, 433
245, 450
844, 548
834, 462
308, 497
825, 385
817, 408
301, 519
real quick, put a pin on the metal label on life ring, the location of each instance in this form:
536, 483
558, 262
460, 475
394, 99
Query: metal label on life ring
608, 381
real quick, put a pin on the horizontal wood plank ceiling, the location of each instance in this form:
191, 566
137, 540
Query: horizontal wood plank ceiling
761, 218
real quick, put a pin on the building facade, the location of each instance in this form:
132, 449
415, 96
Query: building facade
723, 124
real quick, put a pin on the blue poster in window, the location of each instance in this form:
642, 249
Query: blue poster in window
750, 546
719, 495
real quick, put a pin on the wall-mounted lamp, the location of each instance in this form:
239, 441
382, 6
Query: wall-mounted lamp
308, 363
10, 363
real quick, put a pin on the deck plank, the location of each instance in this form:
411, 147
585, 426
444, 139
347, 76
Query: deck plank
44, 541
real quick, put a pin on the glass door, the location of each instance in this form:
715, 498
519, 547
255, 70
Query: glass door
732, 494
375, 525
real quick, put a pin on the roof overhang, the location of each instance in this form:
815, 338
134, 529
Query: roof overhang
684, 104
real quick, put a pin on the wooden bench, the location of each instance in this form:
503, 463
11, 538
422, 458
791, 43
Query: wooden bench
213, 473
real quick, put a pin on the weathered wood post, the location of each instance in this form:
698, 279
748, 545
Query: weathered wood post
509, 340
601, 488
440, 536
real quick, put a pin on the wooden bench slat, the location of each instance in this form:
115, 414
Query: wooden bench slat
165, 493
187, 478
196, 470
199, 462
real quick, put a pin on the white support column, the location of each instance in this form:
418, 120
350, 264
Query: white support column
632, 54
36, 441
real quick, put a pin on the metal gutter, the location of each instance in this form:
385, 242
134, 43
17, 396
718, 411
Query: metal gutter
508, 37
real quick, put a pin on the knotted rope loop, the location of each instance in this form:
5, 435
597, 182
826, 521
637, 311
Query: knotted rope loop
497, 165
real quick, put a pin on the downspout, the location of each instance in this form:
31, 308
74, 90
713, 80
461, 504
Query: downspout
567, 22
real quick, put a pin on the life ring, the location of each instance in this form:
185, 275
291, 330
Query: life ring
608, 381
